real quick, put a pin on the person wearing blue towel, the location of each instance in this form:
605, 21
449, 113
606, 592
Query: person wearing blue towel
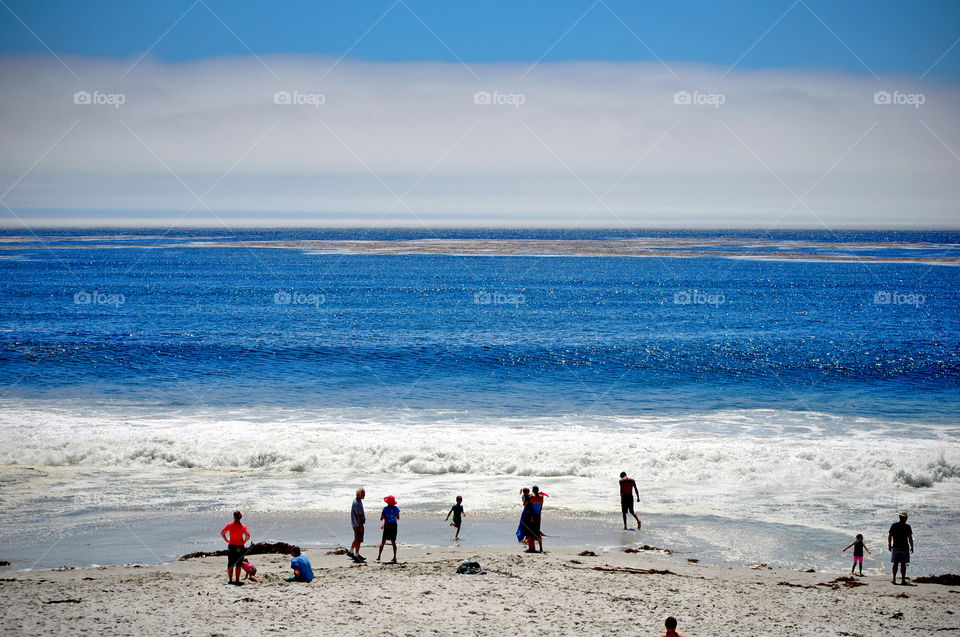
524, 530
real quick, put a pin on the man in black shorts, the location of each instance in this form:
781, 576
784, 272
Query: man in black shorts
628, 486
900, 545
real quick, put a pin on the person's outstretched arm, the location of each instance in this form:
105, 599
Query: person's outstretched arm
448, 514
866, 549
848, 546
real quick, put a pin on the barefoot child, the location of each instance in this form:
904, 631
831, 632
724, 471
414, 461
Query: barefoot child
457, 511
249, 570
390, 514
858, 548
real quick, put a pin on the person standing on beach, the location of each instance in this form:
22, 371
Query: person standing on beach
357, 520
900, 545
858, 548
628, 486
536, 510
524, 533
235, 534
390, 515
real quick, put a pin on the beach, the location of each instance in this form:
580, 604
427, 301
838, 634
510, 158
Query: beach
557, 593
770, 409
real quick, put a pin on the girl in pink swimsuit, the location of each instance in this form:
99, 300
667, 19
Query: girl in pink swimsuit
249, 570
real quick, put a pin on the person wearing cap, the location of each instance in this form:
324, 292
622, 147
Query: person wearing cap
900, 545
390, 514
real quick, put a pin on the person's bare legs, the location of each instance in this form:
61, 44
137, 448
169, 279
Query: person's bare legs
380, 552
903, 572
394, 543
894, 580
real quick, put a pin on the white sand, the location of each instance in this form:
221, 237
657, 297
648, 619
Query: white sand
558, 593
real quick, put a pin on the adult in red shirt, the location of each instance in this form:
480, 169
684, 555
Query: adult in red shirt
628, 486
235, 535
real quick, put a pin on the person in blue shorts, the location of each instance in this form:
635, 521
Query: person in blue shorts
900, 545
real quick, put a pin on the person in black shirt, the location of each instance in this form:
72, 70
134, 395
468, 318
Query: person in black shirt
858, 549
900, 544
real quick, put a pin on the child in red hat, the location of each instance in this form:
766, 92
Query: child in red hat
390, 514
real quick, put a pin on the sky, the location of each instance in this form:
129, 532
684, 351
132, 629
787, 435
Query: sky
562, 114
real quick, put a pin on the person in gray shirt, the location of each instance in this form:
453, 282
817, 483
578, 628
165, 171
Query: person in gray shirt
357, 520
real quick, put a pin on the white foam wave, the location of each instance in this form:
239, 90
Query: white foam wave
706, 463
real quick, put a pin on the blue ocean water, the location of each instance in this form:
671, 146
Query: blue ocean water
607, 335
142, 369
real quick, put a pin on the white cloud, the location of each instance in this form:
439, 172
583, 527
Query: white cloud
385, 127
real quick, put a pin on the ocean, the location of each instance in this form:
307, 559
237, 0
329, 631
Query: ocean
773, 393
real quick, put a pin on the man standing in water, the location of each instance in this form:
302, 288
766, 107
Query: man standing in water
357, 520
628, 486
900, 544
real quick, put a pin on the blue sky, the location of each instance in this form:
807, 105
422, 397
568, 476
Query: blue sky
759, 113
888, 36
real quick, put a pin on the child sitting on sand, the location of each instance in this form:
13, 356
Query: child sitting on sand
302, 570
858, 548
249, 570
671, 626
457, 511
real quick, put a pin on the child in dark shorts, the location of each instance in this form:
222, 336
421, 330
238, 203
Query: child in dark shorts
390, 515
457, 511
